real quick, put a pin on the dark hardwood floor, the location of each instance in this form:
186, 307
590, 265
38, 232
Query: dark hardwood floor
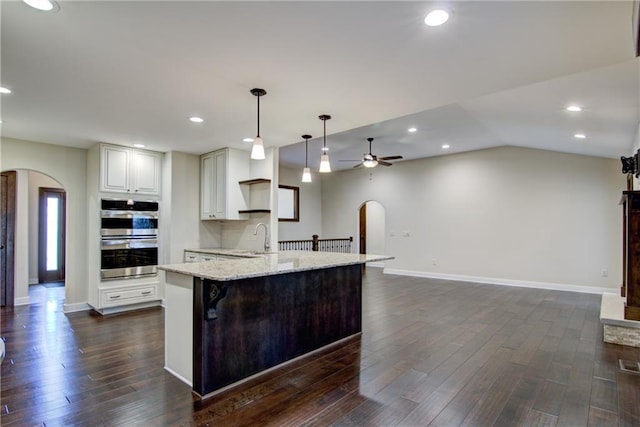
432, 352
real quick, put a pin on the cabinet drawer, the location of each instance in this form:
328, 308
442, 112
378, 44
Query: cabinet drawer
191, 257
129, 296
208, 257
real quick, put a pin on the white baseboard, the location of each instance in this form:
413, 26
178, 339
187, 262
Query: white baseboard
78, 306
34, 281
504, 282
178, 376
22, 301
375, 264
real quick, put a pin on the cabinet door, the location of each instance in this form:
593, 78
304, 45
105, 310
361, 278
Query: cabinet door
115, 169
207, 168
220, 185
146, 172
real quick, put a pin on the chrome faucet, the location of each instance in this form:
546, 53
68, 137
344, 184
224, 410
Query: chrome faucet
266, 235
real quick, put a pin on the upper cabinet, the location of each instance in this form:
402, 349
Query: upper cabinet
127, 170
221, 195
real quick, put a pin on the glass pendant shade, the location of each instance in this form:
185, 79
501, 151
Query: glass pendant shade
306, 175
257, 151
325, 166
369, 163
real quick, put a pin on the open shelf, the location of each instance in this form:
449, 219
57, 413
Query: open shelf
255, 211
255, 181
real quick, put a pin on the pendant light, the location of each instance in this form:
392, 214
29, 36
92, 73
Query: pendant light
325, 166
257, 151
306, 172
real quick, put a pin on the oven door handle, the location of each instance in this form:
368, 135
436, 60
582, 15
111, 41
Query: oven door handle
112, 244
129, 214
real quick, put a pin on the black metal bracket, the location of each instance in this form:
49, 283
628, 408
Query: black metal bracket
216, 292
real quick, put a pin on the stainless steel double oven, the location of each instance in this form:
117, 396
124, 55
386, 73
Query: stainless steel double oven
129, 238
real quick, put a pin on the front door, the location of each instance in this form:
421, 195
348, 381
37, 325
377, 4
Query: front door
51, 235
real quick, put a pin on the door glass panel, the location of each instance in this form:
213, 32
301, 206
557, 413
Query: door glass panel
52, 233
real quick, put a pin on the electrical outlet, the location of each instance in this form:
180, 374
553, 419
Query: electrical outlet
604, 273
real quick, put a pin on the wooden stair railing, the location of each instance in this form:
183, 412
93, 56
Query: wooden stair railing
316, 244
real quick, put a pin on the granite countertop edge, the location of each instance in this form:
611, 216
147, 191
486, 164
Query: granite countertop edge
269, 264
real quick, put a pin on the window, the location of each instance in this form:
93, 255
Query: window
288, 203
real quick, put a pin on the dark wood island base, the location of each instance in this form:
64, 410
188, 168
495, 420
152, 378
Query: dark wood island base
247, 326
230, 320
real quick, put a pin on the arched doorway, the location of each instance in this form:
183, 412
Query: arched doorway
35, 226
371, 228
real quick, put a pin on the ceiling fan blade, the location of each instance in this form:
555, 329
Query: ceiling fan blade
359, 165
380, 162
390, 158
345, 160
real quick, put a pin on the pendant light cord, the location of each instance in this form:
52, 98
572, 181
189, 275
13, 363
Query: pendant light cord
306, 153
325, 134
258, 116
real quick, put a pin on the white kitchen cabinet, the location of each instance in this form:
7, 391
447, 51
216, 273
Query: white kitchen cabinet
221, 195
122, 295
190, 256
127, 170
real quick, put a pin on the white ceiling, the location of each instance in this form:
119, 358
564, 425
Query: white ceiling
498, 73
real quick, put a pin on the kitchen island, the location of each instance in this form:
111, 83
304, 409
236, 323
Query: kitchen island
229, 320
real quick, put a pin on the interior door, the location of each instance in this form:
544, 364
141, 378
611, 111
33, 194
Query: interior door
51, 235
7, 236
363, 229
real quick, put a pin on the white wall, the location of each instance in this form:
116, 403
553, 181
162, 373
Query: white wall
21, 239
180, 216
310, 206
507, 214
68, 166
36, 180
239, 234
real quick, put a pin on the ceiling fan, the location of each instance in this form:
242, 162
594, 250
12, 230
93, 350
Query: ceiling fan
370, 160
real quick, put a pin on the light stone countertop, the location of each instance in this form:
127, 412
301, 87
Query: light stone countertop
240, 253
269, 264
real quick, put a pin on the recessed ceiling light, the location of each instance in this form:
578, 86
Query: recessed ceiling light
412, 129
247, 140
46, 5
574, 108
436, 17
445, 146
4, 90
580, 135
196, 119
138, 145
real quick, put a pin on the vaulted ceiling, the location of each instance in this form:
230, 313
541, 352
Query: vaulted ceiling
497, 73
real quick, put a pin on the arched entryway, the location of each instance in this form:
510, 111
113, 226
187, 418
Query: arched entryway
33, 233
371, 228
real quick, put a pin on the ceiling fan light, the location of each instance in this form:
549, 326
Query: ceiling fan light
370, 163
257, 151
436, 17
306, 175
44, 5
325, 166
